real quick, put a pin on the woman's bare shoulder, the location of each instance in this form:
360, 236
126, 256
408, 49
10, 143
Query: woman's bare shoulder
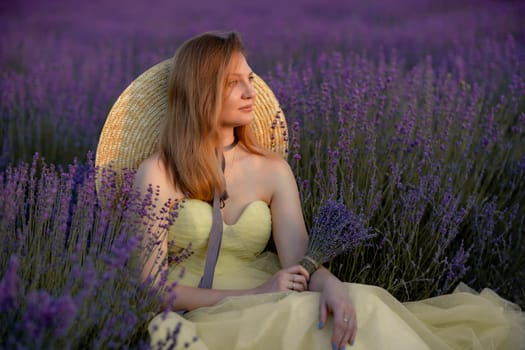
276, 165
275, 176
272, 170
151, 167
152, 172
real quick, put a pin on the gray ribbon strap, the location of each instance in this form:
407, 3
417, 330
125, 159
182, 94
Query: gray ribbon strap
214, 244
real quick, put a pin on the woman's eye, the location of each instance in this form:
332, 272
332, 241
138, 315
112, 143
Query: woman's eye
251, 78
232, 83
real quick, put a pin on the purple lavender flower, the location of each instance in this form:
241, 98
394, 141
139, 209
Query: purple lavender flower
457, 267
335, 230
48, 314
10, 287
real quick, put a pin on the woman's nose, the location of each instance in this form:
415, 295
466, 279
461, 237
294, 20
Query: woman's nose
250, 91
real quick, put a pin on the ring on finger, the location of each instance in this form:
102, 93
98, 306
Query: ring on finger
345, 319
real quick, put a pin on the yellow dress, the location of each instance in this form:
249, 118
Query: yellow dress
288, 320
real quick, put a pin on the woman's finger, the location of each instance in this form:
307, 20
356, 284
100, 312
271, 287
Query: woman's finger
323, 313
299, 279
298, 269
298, 287
353, 330
337, 336
349, 323
344, 329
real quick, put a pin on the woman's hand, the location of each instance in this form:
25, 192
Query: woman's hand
292, 278
335, 299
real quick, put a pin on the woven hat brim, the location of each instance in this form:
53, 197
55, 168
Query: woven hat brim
132, 128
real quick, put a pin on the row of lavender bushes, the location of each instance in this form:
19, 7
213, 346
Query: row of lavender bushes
64, 63
435, 163
415, 121
72, 246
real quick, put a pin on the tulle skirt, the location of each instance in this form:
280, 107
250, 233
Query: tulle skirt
463, 319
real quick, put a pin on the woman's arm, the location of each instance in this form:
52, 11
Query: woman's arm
289, 230
151, 175
291, 240
189, 298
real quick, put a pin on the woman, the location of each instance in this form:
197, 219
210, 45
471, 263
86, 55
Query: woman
257, 301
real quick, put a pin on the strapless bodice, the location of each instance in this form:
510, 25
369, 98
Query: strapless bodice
242, 242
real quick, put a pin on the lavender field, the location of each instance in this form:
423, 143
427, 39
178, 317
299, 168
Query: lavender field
412, 112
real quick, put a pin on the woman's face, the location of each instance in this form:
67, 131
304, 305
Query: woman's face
239, 94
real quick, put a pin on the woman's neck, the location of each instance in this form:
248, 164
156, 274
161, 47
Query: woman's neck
228, 139
230, 146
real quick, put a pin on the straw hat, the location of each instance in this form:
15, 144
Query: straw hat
131, 131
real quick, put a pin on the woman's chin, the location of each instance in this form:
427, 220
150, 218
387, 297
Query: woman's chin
245, 119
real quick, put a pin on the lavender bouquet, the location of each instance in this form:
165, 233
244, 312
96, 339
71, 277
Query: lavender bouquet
335, 230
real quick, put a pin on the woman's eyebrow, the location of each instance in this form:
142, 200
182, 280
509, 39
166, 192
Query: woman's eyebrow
239, 74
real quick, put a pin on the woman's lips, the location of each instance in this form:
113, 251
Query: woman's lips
247, 108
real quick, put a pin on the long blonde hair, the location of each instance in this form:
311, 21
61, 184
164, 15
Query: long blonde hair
190, 144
